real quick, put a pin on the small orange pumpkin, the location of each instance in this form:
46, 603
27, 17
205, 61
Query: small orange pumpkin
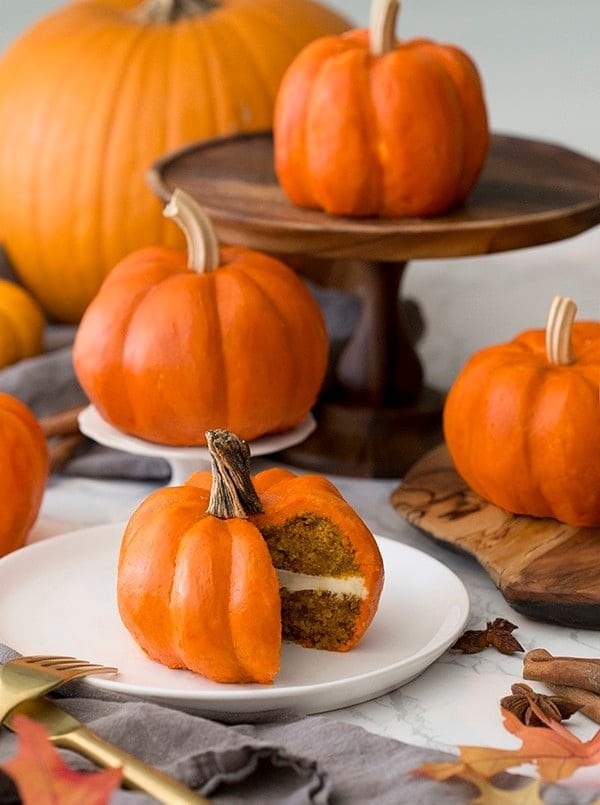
166, 352
24, 469
522, 421
368, 126
95, 91
22, 324
195, 584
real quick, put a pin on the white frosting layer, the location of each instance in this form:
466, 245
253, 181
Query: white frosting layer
350, 585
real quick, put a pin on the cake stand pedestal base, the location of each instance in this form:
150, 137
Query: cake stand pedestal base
369, 442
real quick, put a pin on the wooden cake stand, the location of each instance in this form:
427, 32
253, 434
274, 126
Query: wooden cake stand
376, 417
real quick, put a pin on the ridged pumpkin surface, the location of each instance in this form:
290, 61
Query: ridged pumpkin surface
24, 468
199, 592
165, 353
525, 433
402, 133
95, 92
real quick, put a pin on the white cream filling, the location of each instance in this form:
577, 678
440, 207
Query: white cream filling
350, 585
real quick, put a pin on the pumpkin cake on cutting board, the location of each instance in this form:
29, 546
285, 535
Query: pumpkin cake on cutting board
213, 574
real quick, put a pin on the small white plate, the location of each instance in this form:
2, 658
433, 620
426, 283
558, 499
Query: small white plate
58, 597
183, 460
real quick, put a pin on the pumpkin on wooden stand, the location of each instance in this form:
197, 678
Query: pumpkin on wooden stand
368, 126
522, 420
174, 345
96, 91
24, 469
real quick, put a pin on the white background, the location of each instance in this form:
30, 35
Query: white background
540, 64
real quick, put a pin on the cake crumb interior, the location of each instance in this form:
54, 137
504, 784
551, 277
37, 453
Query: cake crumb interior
314, 545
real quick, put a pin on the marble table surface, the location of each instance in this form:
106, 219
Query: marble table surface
453, 702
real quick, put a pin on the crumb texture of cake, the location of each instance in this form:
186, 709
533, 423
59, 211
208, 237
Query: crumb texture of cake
319, 618
328, 563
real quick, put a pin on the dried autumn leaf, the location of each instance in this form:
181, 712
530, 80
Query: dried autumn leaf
489, 794
497, 634
42, 777
556, 752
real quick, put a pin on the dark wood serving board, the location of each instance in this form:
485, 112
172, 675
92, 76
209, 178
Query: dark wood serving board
545, 569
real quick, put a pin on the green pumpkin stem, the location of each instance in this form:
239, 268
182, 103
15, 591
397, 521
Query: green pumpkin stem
155, 12
382, 26
201, 238
559, 326
232, 493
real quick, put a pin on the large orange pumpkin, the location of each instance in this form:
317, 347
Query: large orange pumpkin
195, 584
24, 468
94, 92
522, 421
368, 126
166, 352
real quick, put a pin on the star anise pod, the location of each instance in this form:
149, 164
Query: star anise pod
557, 708
497, 634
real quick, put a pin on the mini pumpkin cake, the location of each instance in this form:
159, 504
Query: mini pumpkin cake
212, 575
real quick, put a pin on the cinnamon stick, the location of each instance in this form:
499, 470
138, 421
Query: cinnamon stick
578, 672
62, 423
588, 701
61, 450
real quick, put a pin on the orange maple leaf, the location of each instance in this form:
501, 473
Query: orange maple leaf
42, 777
556, 752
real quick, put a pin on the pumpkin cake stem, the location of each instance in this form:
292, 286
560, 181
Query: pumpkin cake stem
232, 493
382, 26
201, 238
559, 328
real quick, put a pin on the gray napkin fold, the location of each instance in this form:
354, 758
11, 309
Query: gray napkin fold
309, 760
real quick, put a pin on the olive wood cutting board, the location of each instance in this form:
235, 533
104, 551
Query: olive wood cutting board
545, 569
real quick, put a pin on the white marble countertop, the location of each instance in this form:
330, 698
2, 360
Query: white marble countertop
456, 700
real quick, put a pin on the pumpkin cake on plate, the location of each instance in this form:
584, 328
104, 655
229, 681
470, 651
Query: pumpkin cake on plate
213, 574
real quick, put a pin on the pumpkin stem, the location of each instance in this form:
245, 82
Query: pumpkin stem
155, 12
201, 238
382, 26
559, 348
232, 493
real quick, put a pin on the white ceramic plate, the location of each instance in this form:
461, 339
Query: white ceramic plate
183, 460
58, 597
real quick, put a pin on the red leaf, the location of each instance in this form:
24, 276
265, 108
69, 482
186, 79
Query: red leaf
42, 777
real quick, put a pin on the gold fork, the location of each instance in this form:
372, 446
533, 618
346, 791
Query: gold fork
27, 677
67, 732
24, 680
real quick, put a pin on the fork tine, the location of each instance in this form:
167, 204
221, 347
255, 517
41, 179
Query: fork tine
42, 658
66, 663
